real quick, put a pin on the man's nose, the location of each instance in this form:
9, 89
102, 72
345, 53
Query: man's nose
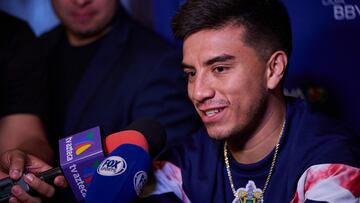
201, 89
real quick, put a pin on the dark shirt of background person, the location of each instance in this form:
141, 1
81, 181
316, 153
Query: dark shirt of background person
20, 85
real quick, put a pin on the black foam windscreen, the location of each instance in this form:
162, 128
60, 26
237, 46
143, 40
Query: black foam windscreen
153, 132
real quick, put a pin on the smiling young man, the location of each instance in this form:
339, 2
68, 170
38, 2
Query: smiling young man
257, 145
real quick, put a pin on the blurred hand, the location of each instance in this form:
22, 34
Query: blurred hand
13, 163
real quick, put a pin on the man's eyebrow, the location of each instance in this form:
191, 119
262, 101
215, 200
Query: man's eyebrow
184, 65
221, 58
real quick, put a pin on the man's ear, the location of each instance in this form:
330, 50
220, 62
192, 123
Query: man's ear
275, 68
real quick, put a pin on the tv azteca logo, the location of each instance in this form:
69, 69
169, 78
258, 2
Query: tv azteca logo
343, 10
80, 146
85, 143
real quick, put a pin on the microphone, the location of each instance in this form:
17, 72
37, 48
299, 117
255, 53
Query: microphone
122, 175
80, 154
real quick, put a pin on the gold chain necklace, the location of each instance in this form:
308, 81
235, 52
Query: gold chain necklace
270, 172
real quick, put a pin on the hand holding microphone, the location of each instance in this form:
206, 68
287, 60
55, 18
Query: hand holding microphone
19, 185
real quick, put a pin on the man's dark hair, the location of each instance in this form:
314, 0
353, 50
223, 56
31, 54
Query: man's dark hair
266, 22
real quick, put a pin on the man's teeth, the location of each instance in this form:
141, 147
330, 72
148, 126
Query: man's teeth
212, 112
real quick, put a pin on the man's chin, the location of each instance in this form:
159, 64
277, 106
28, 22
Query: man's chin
217, 134
217, 137
88, 31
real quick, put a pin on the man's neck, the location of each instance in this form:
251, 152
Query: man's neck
264, 138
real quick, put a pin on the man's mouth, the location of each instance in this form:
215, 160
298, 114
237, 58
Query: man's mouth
212, 112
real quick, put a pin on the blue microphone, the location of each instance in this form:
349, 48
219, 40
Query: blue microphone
122, 175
